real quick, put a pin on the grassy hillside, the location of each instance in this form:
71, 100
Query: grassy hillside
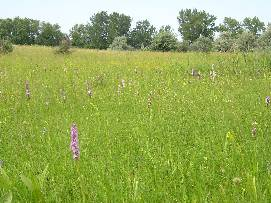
164, 137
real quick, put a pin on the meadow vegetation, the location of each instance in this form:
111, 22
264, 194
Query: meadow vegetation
149, 130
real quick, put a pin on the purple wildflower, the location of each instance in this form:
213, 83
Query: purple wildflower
74, 142
267, 100
27, 89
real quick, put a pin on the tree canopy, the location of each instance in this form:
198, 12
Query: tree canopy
141, 36
254, 25
231, 26
80, 36
113, 30
49, 35
194, 24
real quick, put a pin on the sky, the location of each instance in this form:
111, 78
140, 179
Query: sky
160, 12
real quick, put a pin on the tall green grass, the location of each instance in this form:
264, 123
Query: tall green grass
165, 137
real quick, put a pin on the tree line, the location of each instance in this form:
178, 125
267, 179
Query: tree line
197, 28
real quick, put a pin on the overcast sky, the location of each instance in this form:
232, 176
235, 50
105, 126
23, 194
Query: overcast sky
159, 12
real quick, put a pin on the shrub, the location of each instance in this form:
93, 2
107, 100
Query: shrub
225, 42
164, 41
264, 41
184, 46
202, 44
246, 42
5, 46
120, 44
64, 46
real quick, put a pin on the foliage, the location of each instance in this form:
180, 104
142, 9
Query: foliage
80, 36
119, 25
231, 26
28, 31
264, 41
6, 27
104, 28
99, 30
120, 44
19, 30
246, 42
24, 30
225, 42
202, 44
184, 46
165, 40
142, 35
50, 35
254, 25
5, 46
64, 45
194, 23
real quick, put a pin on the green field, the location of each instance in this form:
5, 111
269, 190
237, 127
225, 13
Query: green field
165, 137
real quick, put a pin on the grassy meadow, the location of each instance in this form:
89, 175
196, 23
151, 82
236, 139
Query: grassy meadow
151, 132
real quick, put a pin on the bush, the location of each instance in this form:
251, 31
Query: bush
202, 44
64, 46
120, 44
5, 46
246, 42
184, 46
164, 41
264, 41
225, 42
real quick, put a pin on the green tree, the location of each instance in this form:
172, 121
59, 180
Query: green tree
165, 40
119, 25
80, 36
50, 35
194, 23
24, 30
6, 27
231, 26
141, 36
98, 30
254, 25
166, 28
